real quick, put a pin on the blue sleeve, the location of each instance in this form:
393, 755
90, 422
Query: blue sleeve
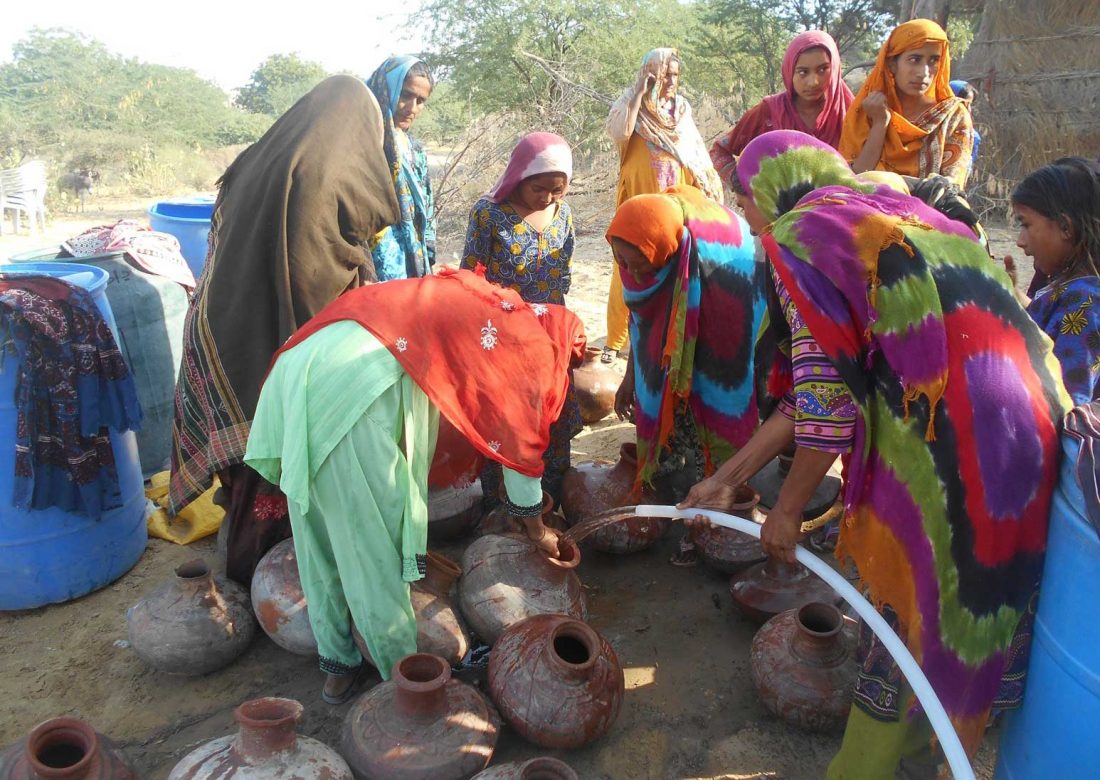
567, 253
477, 237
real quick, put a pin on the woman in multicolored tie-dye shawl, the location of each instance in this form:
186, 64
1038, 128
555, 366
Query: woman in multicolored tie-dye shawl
952, 400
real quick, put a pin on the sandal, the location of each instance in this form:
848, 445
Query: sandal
608, 355
685, 557
339, 688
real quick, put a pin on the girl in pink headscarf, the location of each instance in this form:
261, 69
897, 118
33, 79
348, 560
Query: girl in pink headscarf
814, 100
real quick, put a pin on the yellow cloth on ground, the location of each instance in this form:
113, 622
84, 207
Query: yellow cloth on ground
201, 518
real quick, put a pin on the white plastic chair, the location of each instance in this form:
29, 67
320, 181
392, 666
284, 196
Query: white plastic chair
23, 191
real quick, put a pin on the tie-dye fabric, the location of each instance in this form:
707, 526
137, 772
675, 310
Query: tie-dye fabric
693, 323
956, 453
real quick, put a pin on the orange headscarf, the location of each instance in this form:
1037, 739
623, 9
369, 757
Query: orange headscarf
653, 222
901, 148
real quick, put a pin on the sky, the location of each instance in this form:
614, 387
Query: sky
225, 41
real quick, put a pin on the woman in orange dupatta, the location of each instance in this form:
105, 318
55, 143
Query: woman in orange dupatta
905, 118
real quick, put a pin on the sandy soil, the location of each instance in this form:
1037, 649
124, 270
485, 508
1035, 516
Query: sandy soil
690, 711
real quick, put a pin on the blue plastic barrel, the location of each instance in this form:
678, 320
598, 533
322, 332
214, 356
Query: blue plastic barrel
149, 311
48, 555
189, 221
1053, 735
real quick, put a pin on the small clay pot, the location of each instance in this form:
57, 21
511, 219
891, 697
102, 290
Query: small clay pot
421, 724
64, 749
726, 550
266, 747
765, 589
279, 601
556, 681
499, 520
194, 624
507, 578
542, 768
593, 487
439, 631
803, 666
596, 384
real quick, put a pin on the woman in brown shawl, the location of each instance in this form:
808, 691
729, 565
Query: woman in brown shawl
293, 213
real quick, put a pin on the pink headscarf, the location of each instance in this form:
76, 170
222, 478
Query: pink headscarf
837, 95
534, 154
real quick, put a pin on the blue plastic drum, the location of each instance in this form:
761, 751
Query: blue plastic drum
1053, 735
48, 556
189, 221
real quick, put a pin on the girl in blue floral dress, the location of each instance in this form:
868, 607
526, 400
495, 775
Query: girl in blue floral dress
521, 236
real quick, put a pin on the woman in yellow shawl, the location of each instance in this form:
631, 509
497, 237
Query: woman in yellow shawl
905, 118
659, 147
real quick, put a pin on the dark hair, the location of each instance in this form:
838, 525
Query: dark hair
420, 68
1068, 192
735, 181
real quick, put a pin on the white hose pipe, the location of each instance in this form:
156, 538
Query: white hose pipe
937, 716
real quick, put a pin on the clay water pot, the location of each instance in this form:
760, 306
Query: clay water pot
543, 768
499, 520
556, 681
454, 510
595, 383
769, 481
439, 631
764, 590
507, 578
421, 724
194, 624
593, 487
279, 602
265, 748
804, 667
726, 550
64, 749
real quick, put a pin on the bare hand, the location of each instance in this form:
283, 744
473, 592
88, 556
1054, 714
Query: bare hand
544, 537
876, 108
1012, 271
711, 493
644, 85
781, 532
624, 398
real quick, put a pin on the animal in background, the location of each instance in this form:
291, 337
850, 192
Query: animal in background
79, 182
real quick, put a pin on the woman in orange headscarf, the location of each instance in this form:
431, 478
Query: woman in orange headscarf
905, 118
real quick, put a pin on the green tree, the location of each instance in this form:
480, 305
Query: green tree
278, 83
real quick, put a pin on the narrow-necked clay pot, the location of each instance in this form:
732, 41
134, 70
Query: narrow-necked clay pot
420, 724
596, 384
64, 749
593, 487
556, 681
193, 624
266, 747
765, 589
499, 520
542, 768
726, 550
507, 578
439, 631
454, 510
803, 666
279, 602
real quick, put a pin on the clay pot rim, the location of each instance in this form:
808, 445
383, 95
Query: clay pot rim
444, 564
279, 712
749, 503
548, 768
64, 730
575, 629
193, 570
823, 611
421, 686
570, 561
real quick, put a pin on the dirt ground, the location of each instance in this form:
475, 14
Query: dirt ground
690, 711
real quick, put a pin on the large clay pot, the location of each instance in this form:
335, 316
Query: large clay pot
556, 681
194, 624
421, 724
763, 591
64, 749
596, 384
593, 487
439, 631
506, 578
542, 768
499, 520
266, 748
726, 550
454, 510
279, 602
803, 666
